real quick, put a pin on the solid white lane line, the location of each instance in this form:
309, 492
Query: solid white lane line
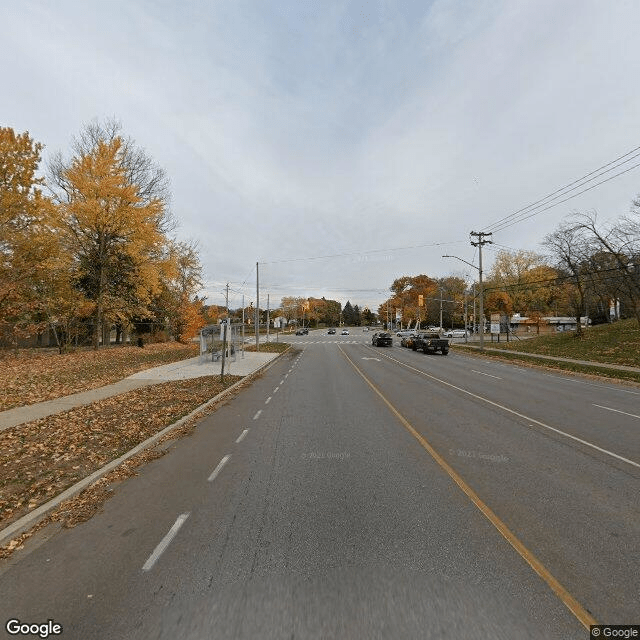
268, 400
516, 413
164, 543
257, 414
591, 384
486, 374
242, 435
218, 469
633, 415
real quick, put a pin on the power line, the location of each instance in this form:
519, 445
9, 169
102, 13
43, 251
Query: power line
516, 285
358, 253
569, 198
538, 206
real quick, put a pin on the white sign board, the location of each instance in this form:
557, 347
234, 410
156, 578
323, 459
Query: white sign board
495, 323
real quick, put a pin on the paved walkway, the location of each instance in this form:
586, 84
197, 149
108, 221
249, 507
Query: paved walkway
182, 370
590, 363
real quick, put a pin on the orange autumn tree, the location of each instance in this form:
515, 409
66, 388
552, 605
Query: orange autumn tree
27, 242
178, 302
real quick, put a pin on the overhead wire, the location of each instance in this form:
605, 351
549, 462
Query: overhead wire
544, 203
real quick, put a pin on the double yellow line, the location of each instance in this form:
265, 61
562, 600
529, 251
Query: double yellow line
568, 600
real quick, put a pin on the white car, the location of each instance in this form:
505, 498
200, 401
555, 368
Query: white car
456, 333
344, 332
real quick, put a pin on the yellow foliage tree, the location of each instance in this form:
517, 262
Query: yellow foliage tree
114, 235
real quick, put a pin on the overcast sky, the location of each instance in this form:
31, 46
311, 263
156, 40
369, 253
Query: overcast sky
300, 129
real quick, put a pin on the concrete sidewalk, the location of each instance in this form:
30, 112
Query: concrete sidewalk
588, 363
182, 370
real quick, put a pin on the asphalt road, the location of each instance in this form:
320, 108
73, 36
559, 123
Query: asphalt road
354, 492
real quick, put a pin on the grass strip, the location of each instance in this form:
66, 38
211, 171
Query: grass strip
269, 347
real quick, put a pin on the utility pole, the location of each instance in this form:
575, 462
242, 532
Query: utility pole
480, 243
257, 309
441, 327
267, 317
227, 300
224, 349
243, 325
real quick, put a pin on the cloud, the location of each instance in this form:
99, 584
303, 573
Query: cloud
295, 129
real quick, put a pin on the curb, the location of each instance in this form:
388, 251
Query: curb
27, 521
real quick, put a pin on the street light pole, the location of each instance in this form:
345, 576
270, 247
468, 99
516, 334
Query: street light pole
257, 309
479, 270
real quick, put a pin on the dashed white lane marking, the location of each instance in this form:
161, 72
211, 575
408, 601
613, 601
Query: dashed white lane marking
242, 435
257, 414
486, 374
218, 469
516, 413
268, 400
282, 381
633, 415
286, 375
276, 389
164, 543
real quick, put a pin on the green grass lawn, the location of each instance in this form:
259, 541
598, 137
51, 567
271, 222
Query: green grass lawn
617, 343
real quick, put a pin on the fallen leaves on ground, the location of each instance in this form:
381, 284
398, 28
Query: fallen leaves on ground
269, 347
35, 375
40, 459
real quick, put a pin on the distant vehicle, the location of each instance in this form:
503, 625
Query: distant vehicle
430, 342
302, 332
344, 332
404, 333
331, 332
382, 339
365, 329
456, 333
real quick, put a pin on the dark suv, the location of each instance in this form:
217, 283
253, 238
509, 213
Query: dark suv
302, 332
382, 339
331, 332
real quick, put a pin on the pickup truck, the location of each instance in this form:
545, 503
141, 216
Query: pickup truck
430, 342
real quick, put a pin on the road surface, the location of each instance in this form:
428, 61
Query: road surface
355, 492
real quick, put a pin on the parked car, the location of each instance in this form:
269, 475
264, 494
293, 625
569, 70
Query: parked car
302, 332
344, 332
456, 333
430, 342
331, 332
407, 341
404, 333
382, 339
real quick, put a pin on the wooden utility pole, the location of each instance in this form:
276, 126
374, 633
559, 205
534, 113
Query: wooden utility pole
480, 243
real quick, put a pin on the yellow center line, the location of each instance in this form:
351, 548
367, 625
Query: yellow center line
568, 600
